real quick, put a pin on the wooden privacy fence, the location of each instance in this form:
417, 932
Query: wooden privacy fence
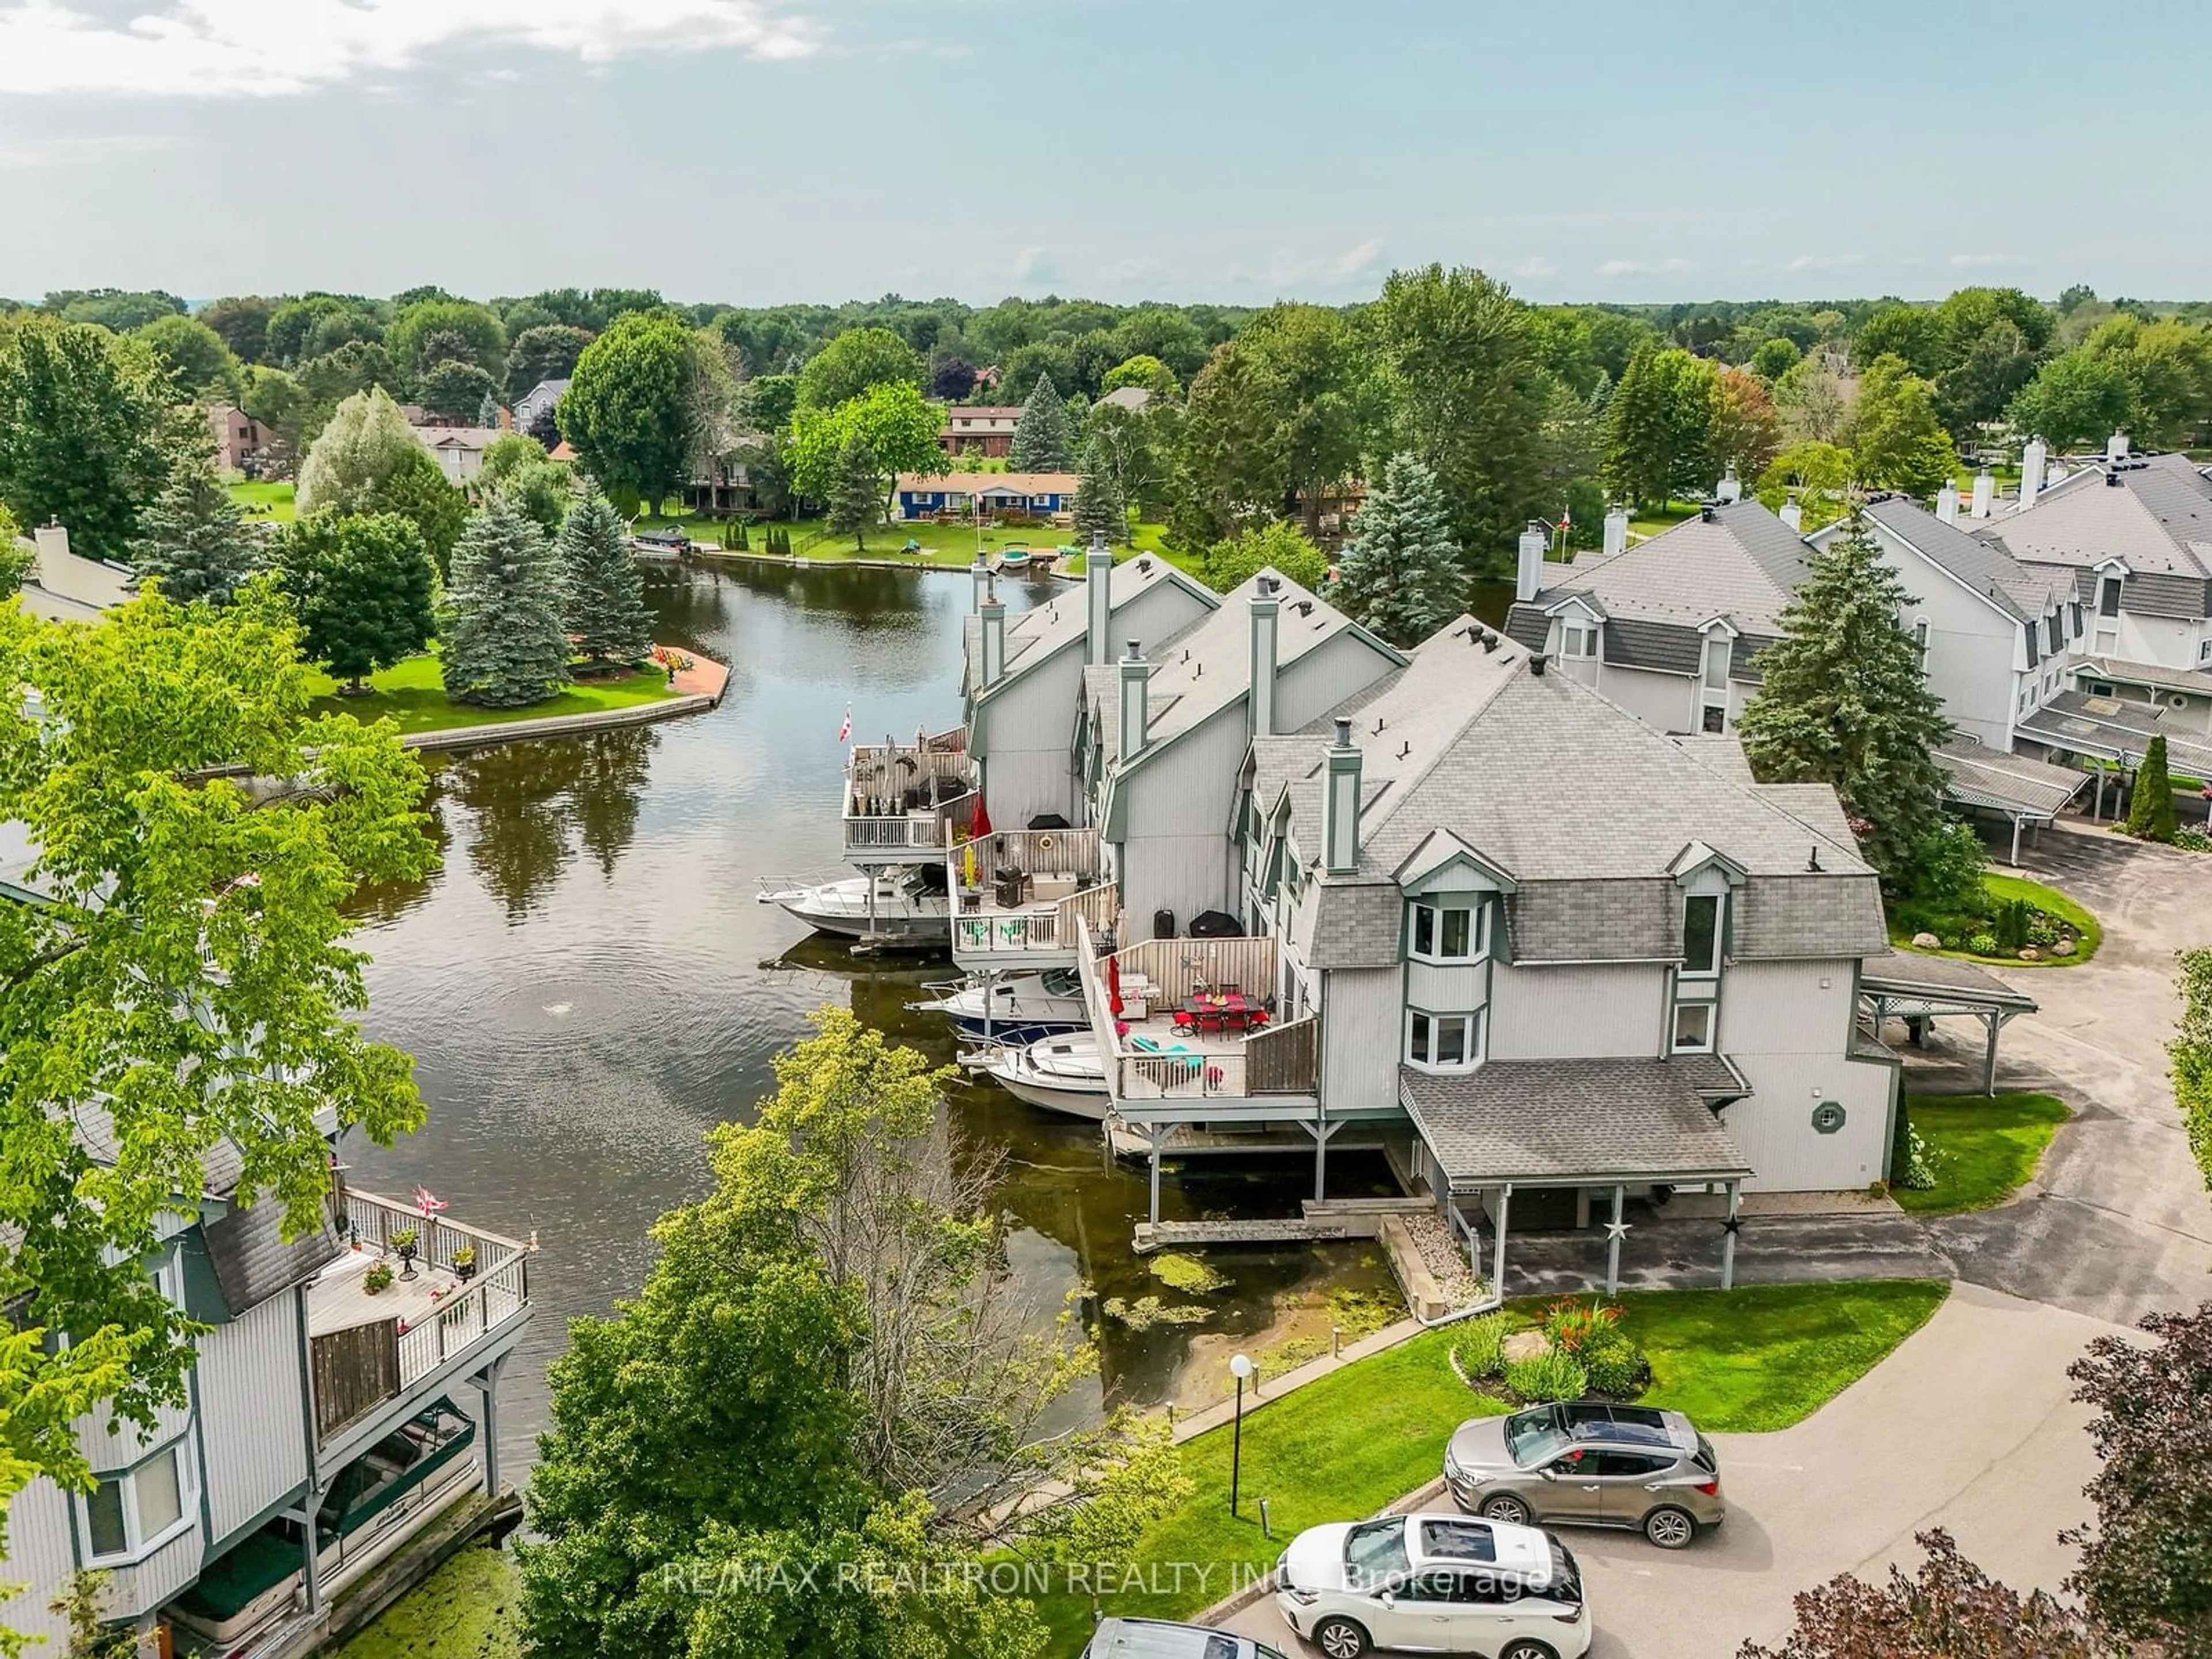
1175, 967
355, 1370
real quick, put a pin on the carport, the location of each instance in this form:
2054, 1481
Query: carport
1590, 1127
2028, 793
2113, 729
1914, 988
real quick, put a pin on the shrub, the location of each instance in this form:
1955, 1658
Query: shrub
1570, 1326
377, 1278
2192, 841
1983, 945
2014, 919
1617, 1367
1481, 1346
2042, 935
1547, 1376
1916, 1171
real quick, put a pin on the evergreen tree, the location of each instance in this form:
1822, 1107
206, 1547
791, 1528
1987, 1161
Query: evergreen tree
502, 633
1099, 508
1043, 439
1659, 427
607, 616
361, 585
194, 539
1845, 701
855, 500
1400, 573
2150, 809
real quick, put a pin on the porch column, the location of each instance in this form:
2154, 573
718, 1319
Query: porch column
1727, 1236
2097, 812
310, 1575
1613, 1237
1990, 1053
486, 1381
1498, 1269
2015, 840
1322, 1133
1152, 1139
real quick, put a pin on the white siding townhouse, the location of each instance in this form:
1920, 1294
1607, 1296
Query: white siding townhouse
1559, 996
325, 1427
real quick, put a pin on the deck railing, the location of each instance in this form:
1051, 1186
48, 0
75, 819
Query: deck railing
982, 927
982, 931
1280, 1061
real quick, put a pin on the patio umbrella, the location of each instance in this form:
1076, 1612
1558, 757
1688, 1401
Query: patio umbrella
1114, 986
981, 825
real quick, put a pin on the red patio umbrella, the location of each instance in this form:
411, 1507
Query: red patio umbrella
1114, 985
980, 825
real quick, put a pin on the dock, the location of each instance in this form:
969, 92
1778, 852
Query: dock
1191, 1235
1190, 1141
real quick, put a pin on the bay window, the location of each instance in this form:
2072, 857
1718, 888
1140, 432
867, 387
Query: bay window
128, 1515
1449, 932
1444, 1043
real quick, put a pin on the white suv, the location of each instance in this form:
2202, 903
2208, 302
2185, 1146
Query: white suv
1434, 1583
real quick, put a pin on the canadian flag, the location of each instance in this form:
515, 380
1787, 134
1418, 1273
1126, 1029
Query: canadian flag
845, 732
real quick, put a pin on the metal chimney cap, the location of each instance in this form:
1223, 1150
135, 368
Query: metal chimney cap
1266, 587
1343, 732
1136, 652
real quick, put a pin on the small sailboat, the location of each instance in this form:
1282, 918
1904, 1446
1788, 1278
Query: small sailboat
1062, 1074
1019, 1008
909, 906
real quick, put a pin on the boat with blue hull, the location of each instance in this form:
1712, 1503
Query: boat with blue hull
1014, 1008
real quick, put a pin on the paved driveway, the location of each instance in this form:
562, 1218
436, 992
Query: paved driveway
1968, 1425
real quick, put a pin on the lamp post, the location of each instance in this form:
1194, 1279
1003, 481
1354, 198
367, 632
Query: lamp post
1240, 1367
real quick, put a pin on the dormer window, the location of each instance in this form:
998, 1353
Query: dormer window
2108, 595
1578, 640
1448, 933
1701, 935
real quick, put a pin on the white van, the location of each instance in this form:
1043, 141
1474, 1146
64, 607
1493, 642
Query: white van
1155, 1639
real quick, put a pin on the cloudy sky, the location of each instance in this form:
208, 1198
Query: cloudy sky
762, 150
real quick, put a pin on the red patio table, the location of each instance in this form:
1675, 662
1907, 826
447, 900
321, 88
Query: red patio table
1221, 1009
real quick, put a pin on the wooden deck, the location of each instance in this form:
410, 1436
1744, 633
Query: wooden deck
337, 1302
1186, 1234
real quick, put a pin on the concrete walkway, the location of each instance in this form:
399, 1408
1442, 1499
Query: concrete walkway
1969, 1426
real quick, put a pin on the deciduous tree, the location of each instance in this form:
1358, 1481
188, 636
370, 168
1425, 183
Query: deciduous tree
1321, 382
517, 464
894, 426
1816, 476
2191, 1052
1811, 401
1145, 372
502, 637
1948, 1608
2146, 1570
241, 321
2168, 368
418, 323
187, 979
547, 352
1746, 433
1275, 544
607, 618
1775, 358
1044, 439
1227, 467
199, 365
629, 406
456, 389
2075, 399
85, 427
1400, 573
1896, 439
1471, 395
1844, 700
361, 585
1912, 334
855, 363
1659, 429
367, 459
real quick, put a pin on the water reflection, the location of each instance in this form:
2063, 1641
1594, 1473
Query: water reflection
589, 984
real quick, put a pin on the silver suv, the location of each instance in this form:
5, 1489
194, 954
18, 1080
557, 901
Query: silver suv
1434, 1583
1591, 1464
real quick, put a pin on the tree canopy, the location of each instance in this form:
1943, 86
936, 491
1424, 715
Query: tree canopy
606, 615
894, 427
1277, 545
188, 978
1659, 430
86, 430
362, 586
194, 539
855, 363
1896, 439
628, 407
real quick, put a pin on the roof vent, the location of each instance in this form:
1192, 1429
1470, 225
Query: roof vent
1343, 733
1378, 726
1536, 661
1404, 748
1707, 513
1489, 643
1813, 862
2112, 478
1145, 564
1303, 607
1266, 586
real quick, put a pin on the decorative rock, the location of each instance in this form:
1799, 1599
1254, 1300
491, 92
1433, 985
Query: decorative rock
1525, 1345
1926, 942
2029, 953
2063, 948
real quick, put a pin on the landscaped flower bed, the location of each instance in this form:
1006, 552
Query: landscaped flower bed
2015, 921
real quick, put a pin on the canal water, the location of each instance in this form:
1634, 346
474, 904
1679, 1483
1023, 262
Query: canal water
588, 983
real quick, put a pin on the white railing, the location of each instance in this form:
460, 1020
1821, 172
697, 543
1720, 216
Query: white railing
908, 832
982, 930
466, 1316
1276, 1062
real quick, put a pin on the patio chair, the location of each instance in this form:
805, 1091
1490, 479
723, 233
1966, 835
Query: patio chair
1182, 1020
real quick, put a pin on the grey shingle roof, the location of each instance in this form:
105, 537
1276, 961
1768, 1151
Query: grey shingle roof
2145, 673
1597, 1119
251, 1260
1984, 568
1039, 632
1743, 563
1910, 974
2158, 518
1585, 807
2111, 727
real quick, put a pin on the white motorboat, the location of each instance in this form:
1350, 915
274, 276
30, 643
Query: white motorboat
908, 905
1061, 1074
1018, 1008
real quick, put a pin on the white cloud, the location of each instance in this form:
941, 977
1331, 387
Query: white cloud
1357, 262
1984, 261
1639, 268
278, 48
1535, 268
1824, 261
29, 154
1036, 264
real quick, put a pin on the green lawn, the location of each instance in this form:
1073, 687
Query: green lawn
1986, 1147
2005, 888
413, 696
1665, 517
269, 501
1756, 1358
